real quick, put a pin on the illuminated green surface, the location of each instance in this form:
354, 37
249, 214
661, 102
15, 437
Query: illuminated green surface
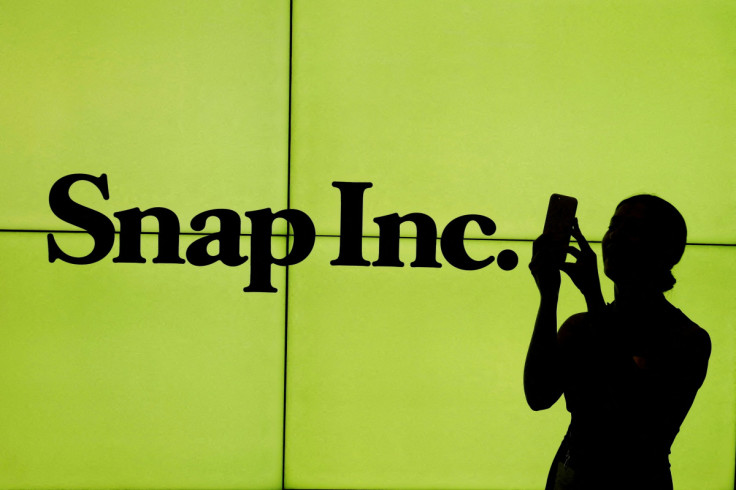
137, 375
169, 376
491, 106
412, 378
183, 104
704, 452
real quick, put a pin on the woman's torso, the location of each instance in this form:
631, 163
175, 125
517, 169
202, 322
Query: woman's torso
622, 381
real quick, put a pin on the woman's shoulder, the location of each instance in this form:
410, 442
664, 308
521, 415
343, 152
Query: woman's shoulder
572, 328
683, 331
689, 335
584, 320
689, 349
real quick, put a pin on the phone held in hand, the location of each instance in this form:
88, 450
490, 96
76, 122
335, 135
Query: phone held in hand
559, 221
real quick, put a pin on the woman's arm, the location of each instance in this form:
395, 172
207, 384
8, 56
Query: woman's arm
542, 386
543, 368
542, 383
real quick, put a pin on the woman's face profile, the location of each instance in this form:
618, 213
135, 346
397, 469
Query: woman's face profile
627, 245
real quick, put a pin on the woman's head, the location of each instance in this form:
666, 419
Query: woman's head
646, 238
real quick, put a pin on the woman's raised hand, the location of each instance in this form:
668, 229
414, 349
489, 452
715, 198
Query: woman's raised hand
545, 266
584, 271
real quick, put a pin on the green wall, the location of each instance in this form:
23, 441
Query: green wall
170, 376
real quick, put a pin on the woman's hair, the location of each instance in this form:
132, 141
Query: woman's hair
667, 231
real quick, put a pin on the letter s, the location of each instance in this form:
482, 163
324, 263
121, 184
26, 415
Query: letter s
95, 223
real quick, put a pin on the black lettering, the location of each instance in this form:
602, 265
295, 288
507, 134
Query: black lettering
452, 241
388, 241
130, 236
260, 245
351, 223
228, 238
93, 222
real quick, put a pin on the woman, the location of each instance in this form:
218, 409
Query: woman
629, 370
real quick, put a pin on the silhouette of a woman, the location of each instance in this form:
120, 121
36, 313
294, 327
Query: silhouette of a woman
629, 370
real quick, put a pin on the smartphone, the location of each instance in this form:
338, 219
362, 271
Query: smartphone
559, 221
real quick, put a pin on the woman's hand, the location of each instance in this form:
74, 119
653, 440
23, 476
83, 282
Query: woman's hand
545, 266
584, 271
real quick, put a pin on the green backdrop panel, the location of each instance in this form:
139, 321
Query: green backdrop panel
412, 378
490, 106
183, 104
703, 454
137, 375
